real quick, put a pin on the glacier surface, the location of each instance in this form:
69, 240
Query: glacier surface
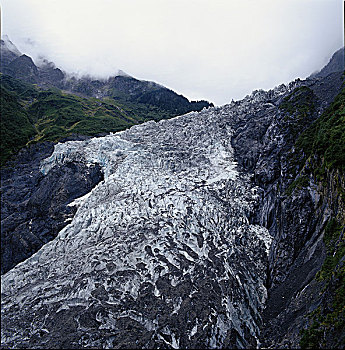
161, 253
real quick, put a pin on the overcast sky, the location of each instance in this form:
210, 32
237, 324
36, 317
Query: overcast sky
205, 49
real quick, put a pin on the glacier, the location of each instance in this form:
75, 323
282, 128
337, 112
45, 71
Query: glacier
161, 253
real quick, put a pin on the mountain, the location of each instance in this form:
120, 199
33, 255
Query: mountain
51, 115
145, 99
20, 66
222, 228
9, 52
54, 114
58, 106
335, 64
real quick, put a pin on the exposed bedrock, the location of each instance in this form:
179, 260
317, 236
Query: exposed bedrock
34, 207
295, 216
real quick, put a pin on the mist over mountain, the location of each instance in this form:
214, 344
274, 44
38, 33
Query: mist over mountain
59, 104
47, 75
217, 51
336, 63
179, 226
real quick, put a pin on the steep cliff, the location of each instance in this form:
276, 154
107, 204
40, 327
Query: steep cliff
307, 296
297, 155
34, 208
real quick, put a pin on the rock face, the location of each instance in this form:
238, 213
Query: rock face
9, 52
198, 236
335, 64
23, 67
34, 208
296, 218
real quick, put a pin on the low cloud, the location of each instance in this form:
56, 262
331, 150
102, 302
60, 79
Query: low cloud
215, 50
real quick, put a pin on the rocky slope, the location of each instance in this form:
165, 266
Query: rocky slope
335, 64
9, 52
296, 208
210, 230
34, 208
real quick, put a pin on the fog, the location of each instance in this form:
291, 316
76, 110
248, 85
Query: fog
204, 49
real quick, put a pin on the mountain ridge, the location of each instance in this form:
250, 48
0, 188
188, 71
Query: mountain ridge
336, 63
59, 105
47, 75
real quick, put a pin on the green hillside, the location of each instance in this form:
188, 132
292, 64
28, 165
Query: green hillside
320, 151
326, 136
30, 114
16, 126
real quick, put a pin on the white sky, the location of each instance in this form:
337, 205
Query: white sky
205, 49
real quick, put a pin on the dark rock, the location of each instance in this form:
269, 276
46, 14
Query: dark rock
34, 207
265, 145
8, 53
23, 68
335, 64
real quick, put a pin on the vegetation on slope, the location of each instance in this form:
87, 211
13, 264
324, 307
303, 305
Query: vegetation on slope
30, 114
319, 152
145, 99
328, 320
324, 143
300, 101
298, 108
16, 126
326, 136
323, 140
57, 115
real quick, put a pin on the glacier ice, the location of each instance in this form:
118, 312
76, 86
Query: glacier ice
161, 252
